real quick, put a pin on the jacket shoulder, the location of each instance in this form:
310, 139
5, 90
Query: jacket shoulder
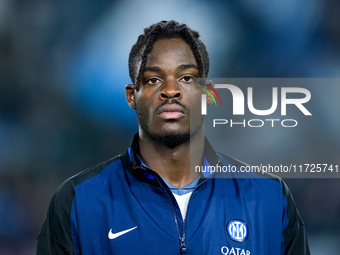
55, 236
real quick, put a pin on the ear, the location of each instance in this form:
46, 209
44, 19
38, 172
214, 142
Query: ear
210, 100
130, 95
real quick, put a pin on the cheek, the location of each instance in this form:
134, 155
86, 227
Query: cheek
195, 99
195, 106
140, 99
146, 95
144, 106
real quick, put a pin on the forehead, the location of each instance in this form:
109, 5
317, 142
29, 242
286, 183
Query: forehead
168, 51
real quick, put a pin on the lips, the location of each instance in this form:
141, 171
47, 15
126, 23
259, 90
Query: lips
171, 111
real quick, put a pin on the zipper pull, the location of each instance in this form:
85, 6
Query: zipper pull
183, 246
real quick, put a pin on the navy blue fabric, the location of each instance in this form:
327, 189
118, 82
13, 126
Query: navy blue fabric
122, 207
115, 199
178, 191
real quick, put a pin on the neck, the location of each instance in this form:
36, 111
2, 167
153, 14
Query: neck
173, 164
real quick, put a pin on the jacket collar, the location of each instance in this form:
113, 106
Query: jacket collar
132, 162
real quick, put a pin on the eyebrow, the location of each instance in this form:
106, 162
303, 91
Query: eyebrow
152, 69
187, 66
157, 69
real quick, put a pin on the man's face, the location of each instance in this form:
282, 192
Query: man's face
163, 100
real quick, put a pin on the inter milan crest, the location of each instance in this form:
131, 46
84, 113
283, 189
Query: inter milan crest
237, 230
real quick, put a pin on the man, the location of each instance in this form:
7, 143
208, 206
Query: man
145, 201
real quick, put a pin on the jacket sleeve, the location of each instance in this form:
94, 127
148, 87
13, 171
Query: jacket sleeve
294, 235
55, 236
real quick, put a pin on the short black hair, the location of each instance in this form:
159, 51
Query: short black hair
166, 30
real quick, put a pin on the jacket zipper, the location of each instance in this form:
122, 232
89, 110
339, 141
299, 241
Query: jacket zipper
183, 247
182, 239
158, 178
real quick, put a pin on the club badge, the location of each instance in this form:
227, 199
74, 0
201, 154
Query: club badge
237, 230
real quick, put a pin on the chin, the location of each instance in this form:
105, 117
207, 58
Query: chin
171, 139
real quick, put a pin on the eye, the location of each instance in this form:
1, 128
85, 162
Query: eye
187, 79
153, 81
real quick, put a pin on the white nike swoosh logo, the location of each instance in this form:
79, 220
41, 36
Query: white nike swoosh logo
115, 235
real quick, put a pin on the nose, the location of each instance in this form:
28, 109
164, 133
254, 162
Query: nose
170, 90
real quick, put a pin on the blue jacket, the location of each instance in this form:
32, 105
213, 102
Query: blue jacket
120, 207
